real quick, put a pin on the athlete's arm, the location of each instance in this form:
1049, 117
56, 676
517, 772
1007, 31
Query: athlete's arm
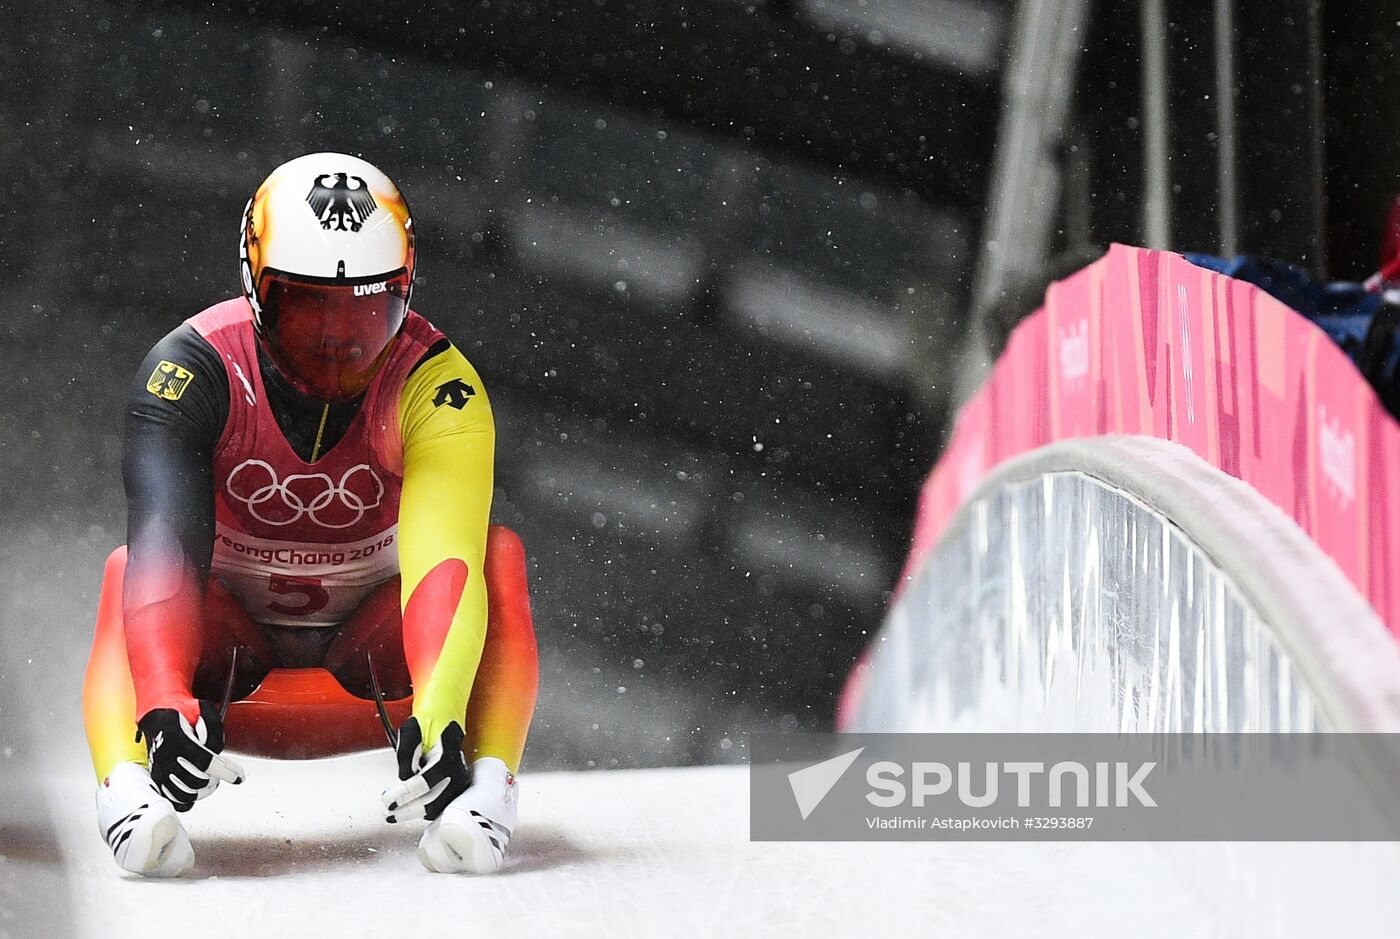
449, 441
176, 410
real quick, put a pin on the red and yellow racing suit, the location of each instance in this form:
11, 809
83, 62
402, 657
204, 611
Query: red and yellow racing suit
305, 533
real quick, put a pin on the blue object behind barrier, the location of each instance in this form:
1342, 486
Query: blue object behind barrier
1344, 310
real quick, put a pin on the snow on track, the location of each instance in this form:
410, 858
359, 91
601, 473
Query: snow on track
300, 849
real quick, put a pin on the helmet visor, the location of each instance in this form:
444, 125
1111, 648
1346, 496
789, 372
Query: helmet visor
329, 336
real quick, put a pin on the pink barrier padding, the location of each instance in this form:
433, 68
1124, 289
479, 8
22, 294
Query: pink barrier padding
1144, 342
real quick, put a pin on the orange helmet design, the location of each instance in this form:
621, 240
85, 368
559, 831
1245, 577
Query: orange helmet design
326, 264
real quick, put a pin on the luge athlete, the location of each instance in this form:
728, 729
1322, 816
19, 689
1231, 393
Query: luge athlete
308, 471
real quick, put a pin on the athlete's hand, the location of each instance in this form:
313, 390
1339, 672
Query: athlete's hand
428, 780
185, 761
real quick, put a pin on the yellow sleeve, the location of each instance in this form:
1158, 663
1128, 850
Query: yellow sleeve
449, 441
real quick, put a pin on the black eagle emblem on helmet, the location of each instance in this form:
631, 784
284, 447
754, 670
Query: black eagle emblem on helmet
341, 202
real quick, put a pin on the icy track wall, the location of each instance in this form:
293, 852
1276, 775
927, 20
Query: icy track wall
1174, 506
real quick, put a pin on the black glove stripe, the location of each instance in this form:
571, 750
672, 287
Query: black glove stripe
410, 749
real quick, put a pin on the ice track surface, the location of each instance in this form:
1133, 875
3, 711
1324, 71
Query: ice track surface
300, 850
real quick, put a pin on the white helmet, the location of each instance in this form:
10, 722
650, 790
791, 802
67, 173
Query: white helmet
326, 263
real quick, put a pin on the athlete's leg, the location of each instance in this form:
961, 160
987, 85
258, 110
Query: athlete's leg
503, 695
472, 834
109, 698
374, 631
141, 828
227, 626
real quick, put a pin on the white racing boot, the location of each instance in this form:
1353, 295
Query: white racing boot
140, 825
471, 834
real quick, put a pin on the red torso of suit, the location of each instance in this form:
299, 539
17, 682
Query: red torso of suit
301, 544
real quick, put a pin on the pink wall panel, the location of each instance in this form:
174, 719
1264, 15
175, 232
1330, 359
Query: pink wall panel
1144, 342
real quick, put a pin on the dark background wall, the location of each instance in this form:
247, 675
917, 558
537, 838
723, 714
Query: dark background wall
1314, 95
690, 254
712, 258
1361, 76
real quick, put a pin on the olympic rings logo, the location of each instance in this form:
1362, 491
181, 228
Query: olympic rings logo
330, 504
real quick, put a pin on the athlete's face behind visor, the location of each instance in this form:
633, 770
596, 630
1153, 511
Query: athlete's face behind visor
328, 338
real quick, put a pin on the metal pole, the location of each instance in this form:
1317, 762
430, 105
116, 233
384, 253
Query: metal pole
1037, 91
1157, 179
1227, 157
1316, 117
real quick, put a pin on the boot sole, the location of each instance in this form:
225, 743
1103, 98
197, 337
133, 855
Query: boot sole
161, 843
468, 848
